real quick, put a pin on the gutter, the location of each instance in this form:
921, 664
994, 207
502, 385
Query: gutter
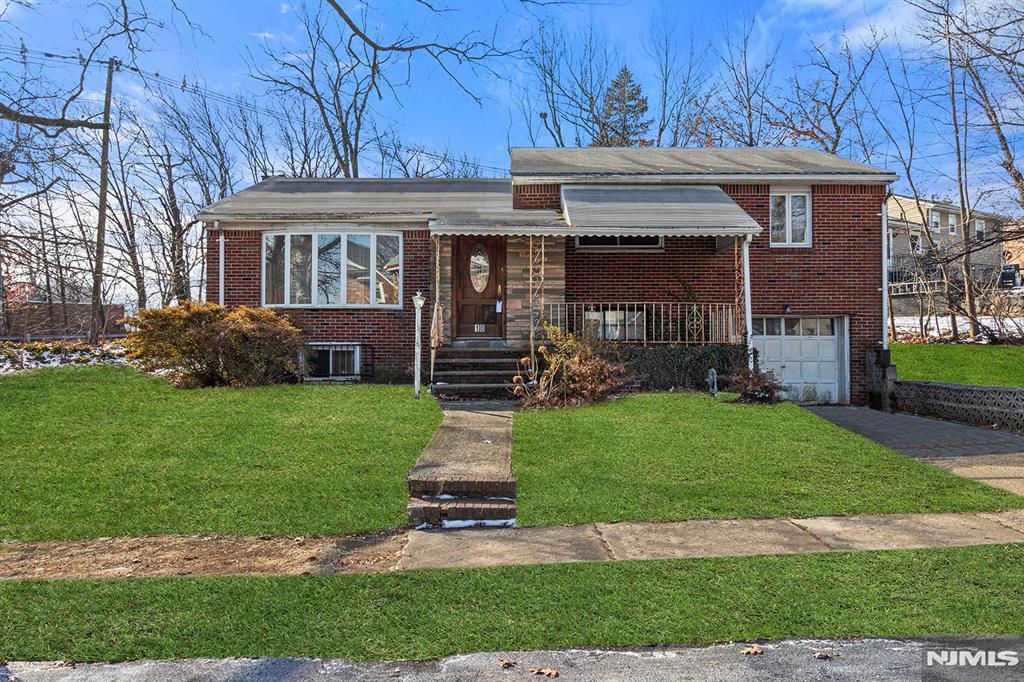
885, 274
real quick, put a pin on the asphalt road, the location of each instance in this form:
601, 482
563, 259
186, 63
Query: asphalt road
861, 660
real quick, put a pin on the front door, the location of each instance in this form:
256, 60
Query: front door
478, 270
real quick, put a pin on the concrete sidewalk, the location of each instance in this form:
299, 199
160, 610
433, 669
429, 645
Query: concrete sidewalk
860, 660
483, 547
987, 455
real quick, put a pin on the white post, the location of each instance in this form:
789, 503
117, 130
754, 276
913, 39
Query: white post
747, 308
885, 274
220, 267
417, 302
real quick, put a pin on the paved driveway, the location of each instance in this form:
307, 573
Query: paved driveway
987, 455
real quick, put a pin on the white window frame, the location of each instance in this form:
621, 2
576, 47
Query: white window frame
789, 193
979, 229
934, 220
951, 223
344, 234
618, 248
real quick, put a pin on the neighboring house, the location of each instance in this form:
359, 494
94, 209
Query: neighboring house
27, 313
637, 246
907, 224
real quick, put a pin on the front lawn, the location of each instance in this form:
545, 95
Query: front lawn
105, 451
661, 456
960, 363
422, 614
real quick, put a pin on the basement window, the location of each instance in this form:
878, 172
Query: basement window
333, 362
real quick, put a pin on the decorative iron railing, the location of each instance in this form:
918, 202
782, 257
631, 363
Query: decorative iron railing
647, 323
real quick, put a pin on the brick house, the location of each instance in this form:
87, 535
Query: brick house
636, 246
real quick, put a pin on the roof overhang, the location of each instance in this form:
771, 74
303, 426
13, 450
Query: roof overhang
710, 179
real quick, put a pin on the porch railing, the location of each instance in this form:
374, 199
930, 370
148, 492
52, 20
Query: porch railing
647, 323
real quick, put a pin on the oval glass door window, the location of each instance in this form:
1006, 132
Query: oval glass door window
479, 269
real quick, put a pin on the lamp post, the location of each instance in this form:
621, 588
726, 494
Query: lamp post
418, 300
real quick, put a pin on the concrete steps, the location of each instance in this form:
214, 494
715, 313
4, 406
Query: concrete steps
471, 373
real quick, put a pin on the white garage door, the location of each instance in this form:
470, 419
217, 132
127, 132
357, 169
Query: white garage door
806, 354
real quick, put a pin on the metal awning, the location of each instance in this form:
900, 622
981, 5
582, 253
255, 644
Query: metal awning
681, 210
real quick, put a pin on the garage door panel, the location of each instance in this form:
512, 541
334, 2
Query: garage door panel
809, 371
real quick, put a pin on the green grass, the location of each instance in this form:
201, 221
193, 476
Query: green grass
960, 363
421, 614
102, 451
679, 456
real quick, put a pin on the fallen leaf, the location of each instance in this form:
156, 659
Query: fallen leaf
506, 662
824, 655
546, 672
751, 650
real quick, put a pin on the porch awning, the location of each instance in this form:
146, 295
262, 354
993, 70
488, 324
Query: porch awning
681, 210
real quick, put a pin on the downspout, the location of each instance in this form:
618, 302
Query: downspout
220, 264
885, 275
747, 309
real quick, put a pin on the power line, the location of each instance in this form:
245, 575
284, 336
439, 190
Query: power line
24, 53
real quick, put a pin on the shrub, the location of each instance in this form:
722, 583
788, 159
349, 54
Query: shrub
754, 386
203, 344
575, 372
662, 368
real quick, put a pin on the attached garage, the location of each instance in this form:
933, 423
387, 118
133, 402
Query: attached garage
809, 355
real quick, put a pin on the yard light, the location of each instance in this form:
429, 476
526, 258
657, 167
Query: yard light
418, 300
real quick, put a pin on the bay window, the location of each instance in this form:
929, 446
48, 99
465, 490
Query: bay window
790, 218
332, 269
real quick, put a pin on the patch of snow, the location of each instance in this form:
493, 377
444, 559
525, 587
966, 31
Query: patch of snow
492, 523
939, 326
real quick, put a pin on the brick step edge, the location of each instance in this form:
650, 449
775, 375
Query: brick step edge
426, 512
468, 486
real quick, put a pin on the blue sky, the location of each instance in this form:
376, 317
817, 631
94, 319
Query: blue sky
433, 111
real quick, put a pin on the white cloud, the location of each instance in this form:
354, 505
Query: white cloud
264, 35
284, 8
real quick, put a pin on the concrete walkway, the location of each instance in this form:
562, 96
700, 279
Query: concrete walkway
986, 455
483, 547
863, 660
474, 440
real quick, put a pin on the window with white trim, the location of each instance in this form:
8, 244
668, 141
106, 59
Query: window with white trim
790, 218
934, 219
979, 230
332, 269
951, 223
619, 242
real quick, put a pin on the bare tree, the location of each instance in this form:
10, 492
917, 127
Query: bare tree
821, 107
744, 99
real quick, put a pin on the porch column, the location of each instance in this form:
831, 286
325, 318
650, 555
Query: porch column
747, 309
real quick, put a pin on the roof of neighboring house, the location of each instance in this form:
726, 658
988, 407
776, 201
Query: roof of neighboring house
413, 199
903, 199
712, 165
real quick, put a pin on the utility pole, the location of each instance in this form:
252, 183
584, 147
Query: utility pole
101, 225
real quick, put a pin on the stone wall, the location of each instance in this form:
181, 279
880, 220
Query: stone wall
998, 406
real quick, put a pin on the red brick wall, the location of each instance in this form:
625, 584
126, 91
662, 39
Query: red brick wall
390, 333
537, 196
839, 275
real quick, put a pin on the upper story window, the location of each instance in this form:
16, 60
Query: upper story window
619, 243
790, 218
979, 230
332, 269
934, 219
951, 223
